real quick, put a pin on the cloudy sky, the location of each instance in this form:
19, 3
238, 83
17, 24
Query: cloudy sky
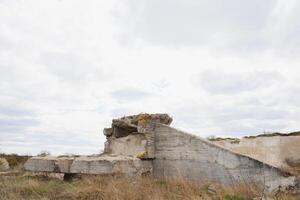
218, 67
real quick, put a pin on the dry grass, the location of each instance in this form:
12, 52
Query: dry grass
14, 160
273, 134
17, 187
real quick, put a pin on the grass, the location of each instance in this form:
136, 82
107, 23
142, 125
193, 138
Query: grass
273, 134
232, 140
14, 160
237, 140
20, 186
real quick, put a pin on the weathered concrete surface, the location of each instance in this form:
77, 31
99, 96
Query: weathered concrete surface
130, 135
279, 151
178, 154
104, 164
111, 165
49, 164
131, 145
143, 144
129, 125
4, 166
128, 150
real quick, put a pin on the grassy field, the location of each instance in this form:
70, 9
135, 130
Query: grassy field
18, 185
21, 186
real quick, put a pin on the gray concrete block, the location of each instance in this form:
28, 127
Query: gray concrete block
178, 154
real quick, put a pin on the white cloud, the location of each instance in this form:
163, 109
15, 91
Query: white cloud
198, 23
220, 82
129, 94
67, 67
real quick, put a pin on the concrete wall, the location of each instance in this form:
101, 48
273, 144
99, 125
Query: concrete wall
131, 145
279, 151
178, 154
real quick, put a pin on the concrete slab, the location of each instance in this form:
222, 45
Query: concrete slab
102, 164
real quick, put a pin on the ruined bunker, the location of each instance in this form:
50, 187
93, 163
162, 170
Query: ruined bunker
276, 149
146, 144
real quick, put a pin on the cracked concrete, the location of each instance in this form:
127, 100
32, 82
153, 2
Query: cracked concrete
180, 154
146, 144
281, 151
103, 164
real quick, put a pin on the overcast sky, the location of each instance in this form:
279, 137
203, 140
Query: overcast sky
218, 67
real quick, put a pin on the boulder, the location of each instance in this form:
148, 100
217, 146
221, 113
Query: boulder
147, 118
4, 166
107, 132
129, 125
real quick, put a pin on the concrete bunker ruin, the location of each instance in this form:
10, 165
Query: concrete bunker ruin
146, 144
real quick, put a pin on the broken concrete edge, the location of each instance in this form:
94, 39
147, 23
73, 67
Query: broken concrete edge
283, 172
137, 128
275, 134
103, 164
145, 118
134, 124
279, 151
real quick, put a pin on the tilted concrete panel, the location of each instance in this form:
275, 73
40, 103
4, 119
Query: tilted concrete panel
178, 154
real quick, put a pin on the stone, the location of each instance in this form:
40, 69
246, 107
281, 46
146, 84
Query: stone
135, 119
127, 125
212, 190
4, 166
107, 132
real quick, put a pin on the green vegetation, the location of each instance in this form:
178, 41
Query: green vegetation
265, 134
273, 134
232, 140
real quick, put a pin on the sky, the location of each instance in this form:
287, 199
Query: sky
218, 67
